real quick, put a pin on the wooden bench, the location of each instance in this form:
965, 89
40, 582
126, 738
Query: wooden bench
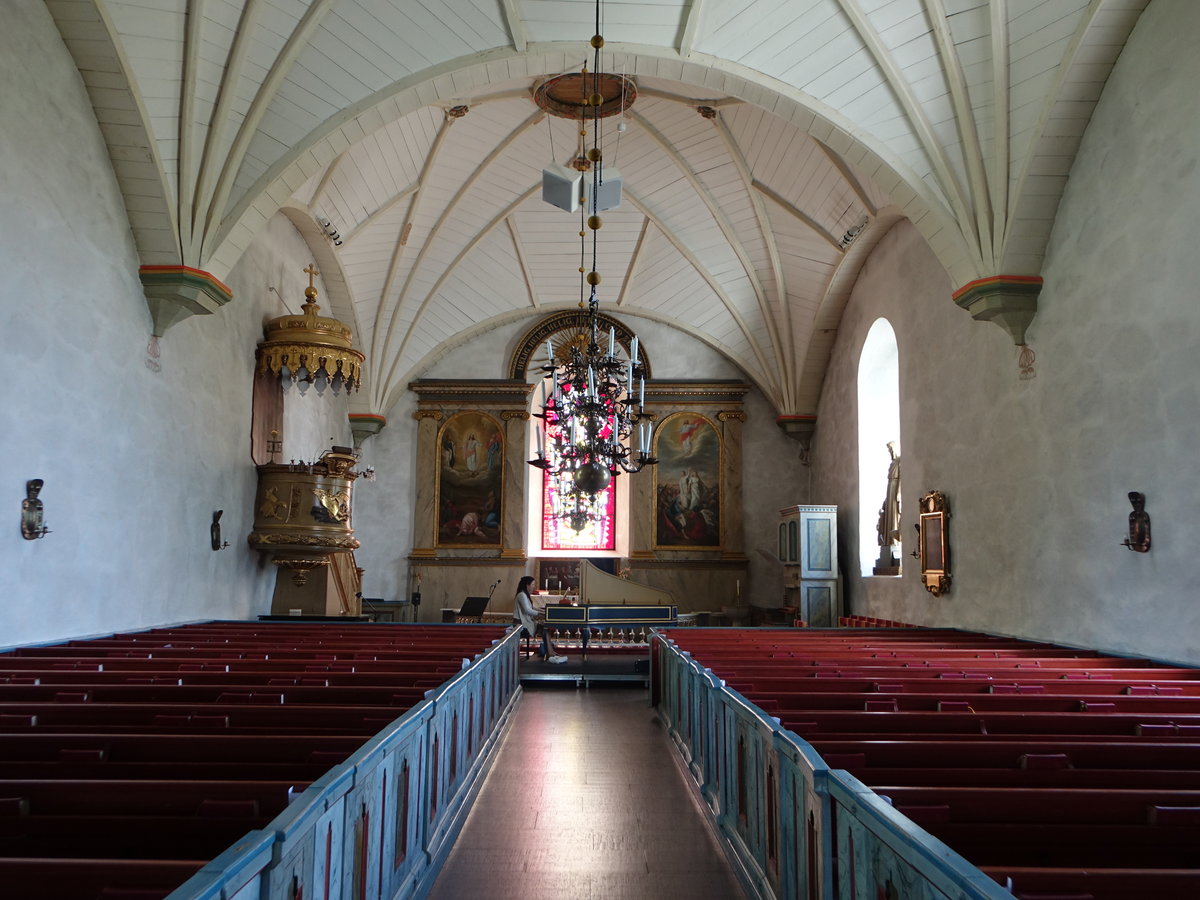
108, 879
1096, 883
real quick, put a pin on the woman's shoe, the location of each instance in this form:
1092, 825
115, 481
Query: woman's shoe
556, 660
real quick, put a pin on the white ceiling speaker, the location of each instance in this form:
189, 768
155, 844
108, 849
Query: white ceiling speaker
561, 186
609, 195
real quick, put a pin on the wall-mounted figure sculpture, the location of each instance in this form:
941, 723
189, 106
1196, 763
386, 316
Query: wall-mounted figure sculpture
1139, 525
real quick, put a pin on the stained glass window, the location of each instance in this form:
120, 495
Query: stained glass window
595, 515
599, 533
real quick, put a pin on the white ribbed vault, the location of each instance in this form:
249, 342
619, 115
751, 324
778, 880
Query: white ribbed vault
963, 115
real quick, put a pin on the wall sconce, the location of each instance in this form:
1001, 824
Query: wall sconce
32, 525
1139, 525
330, 231
214, 531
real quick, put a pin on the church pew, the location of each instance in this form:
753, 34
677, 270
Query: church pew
1071, 845
99, 768
880, 778
160, 797
177, 748
977, 685
59, 878
1096, 883
163, 717
998, 805
155, 667
949, 700
266, 678
182, 657
400, 694
812, 724
1047, 752
123, 837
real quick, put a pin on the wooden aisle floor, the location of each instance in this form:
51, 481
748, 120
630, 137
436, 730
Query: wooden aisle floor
585, 801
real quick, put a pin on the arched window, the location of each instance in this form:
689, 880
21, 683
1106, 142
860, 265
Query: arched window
878, 426
550, 533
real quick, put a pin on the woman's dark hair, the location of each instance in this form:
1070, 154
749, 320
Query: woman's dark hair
524, 583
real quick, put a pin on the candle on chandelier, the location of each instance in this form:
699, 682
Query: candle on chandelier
633, 351
642, 392
612, 340
549, 352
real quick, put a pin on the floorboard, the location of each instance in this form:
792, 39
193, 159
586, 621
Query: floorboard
586, 801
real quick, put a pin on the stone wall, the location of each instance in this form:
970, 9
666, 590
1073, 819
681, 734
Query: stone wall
1038, 471
138, 444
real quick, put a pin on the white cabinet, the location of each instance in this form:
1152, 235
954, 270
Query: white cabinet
808, 550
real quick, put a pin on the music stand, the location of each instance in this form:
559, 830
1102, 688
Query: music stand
472, 609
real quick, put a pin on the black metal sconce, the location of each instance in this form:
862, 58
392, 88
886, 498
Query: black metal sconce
1139, 525
214, 531
33, 525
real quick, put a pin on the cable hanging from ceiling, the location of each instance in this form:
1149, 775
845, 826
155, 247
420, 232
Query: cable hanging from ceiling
592, 395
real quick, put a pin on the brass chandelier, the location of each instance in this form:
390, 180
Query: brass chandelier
593, 399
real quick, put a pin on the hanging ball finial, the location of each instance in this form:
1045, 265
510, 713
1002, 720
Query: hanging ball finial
594, 223
593, 278
597, 41
592, 477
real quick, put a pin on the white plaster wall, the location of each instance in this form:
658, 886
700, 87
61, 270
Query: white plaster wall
135, 460
1037, 471
383, 508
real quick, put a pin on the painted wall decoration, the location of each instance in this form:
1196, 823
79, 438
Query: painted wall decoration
470, 481
687, 482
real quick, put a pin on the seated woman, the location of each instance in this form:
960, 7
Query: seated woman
526, 617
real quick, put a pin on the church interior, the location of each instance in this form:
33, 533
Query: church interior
914, 279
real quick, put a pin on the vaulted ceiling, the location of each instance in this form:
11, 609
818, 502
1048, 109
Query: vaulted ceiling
746, 229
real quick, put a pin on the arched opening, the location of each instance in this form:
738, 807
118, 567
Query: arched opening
879, 427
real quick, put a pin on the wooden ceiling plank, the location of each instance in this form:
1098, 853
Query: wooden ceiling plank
296, 42
522, 260
729, 233
717, 288
920, 126
479, 170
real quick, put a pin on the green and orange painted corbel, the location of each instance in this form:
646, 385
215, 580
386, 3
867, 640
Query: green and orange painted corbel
1008, 300
174, 293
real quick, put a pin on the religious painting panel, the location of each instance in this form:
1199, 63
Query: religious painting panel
470, 481
687, 484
